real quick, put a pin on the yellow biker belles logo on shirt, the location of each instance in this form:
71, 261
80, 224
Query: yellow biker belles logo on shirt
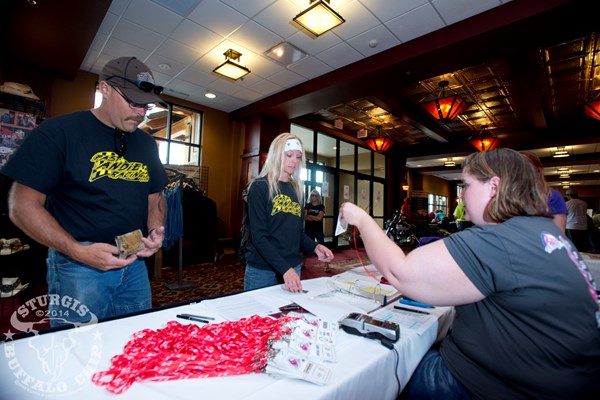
109, 164
283, 203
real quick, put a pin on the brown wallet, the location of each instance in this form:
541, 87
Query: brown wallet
130, 243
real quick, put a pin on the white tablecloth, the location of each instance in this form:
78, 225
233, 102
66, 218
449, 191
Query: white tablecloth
61, 363
593, 263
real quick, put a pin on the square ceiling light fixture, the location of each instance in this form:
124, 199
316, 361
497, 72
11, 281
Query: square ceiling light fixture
319, 17
285, 53
231, 69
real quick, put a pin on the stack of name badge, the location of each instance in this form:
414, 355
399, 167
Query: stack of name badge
300, 354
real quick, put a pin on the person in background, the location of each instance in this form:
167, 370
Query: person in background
277, 241
439, 216
314, 211
405, 210
244, 229
501, 275
577, 223
595, 231
84, 178
459, 214
556, 201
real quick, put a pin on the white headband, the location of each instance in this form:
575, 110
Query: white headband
293, 144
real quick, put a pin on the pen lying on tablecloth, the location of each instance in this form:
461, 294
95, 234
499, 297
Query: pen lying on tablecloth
197, 318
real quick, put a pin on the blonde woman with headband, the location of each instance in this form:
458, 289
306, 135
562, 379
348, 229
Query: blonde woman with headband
275, 212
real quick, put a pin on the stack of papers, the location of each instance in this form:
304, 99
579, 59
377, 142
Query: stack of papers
358, 282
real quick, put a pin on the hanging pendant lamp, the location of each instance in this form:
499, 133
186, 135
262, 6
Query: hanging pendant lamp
379, 142
485, 140
445, 107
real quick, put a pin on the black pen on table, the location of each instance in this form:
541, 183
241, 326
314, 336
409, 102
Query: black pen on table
193, 318
411, 310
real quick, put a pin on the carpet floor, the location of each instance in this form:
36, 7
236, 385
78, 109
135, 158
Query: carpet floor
227, 276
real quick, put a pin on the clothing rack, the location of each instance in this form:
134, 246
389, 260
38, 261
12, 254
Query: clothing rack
179, 178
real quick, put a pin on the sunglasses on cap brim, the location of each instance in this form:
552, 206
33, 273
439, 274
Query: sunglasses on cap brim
144, 86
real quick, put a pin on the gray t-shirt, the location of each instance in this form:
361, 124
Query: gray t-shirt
536, 333
577, 214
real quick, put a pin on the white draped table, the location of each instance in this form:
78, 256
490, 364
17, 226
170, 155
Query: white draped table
59, 364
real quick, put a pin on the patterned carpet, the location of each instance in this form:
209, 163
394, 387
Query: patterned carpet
210, 280
227, 276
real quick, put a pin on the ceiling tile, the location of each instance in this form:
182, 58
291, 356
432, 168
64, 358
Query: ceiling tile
415, 23
249, 8
186, 87
199, 77
278, 18
179, 52
181, 7
266, 87
373, 41
174, 67
340, 55
286, 78
358, 20
311, 46
387, 10
310, 67
264, 67
255, 36
247, 94
108, 23
116, 48
137, 35
217, 17
118, 6
196, 36
149, 14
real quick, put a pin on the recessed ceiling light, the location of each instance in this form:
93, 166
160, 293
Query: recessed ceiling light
210, 95
164, 66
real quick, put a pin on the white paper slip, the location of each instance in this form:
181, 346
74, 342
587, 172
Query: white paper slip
341, 226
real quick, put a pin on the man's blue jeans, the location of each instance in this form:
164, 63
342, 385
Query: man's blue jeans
432, 380
104, 293
256, 278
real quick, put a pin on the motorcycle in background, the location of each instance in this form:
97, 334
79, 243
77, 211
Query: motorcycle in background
405, 234
401, 231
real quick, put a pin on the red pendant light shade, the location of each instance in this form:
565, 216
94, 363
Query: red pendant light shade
485, 140
445, 108
592, 109
379, 142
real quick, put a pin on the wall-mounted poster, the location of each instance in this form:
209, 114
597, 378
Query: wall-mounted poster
14, 127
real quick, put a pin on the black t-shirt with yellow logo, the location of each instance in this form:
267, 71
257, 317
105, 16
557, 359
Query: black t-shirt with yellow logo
92, 192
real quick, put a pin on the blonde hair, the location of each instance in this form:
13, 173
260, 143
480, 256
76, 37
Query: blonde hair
522, 190
315, 192
274, 166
